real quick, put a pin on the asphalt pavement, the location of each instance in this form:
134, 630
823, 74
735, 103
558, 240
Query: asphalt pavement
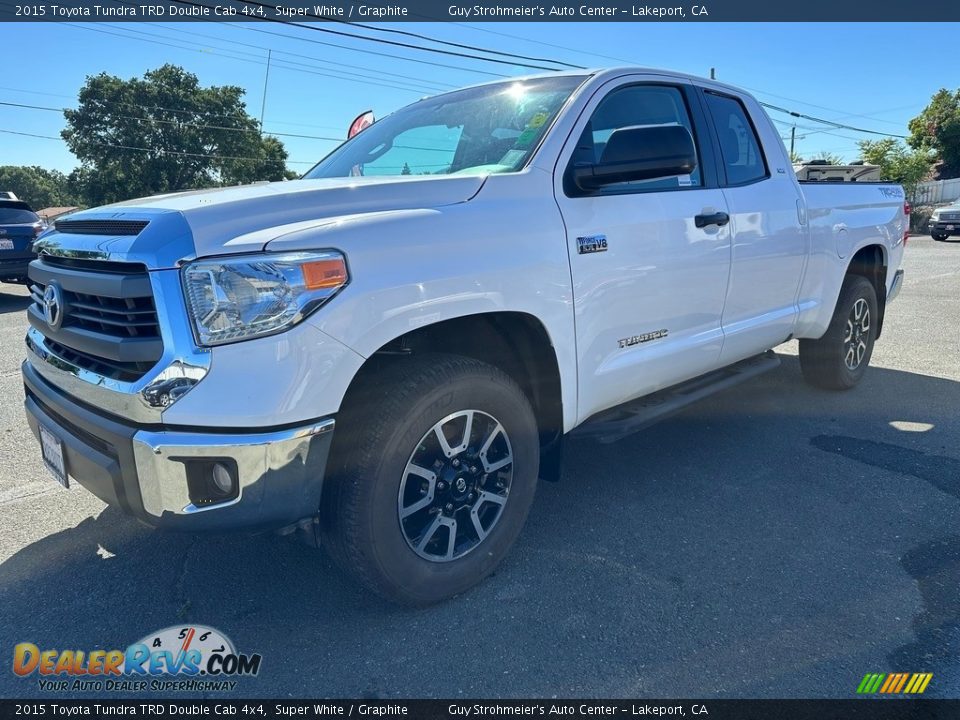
773, 541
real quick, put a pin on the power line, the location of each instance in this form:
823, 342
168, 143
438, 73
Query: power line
200, 126
155, 150
314, 41
352, 69
308, 68
839, 126
419, 36
324, 61
830, 109
395, 43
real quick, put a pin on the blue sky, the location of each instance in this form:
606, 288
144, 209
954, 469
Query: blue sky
858, 74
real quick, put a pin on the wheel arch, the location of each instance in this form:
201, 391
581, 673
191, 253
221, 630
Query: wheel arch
515, 342
870, 261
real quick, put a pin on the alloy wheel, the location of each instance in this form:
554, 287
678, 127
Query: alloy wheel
858, 332
455, 486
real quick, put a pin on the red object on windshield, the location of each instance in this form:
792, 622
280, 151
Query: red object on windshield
361, 122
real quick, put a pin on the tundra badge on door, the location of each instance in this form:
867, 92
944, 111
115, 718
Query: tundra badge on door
645, 337
591, 244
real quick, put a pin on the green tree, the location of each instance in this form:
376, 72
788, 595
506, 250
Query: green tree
164, 133
831, 158
897, 163
938, 128
39, 187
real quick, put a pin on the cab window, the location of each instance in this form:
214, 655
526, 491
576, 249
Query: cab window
739, 145
636, 106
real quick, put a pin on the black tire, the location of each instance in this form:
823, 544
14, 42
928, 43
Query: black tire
826, 362
939, 237
379, 433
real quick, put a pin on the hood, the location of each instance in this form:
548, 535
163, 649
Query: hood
221, 221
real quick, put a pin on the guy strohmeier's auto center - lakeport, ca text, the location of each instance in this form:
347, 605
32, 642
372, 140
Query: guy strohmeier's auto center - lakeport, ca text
363, 11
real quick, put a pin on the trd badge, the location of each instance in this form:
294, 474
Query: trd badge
591, 244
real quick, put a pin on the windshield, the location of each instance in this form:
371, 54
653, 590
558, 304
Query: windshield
487, 129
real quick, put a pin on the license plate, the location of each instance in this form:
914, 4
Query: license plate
6, 244
52, 451
950, 227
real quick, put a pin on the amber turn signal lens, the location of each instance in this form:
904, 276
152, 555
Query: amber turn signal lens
322, 274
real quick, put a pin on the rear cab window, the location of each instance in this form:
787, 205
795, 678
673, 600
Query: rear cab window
741, 153
16, 215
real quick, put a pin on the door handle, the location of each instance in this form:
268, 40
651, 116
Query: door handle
717, 218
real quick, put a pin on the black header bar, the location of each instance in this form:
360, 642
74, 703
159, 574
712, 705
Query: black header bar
241, 709
300, 11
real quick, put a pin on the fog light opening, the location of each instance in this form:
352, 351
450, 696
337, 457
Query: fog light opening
221, 479
211, 481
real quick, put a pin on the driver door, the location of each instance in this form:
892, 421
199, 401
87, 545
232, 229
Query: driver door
649, 277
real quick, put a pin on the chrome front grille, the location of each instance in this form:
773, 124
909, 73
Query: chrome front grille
119, 317
108, 319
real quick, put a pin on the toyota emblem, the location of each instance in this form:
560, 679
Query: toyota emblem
53, 306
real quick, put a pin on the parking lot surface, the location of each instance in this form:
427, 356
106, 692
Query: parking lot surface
772, 541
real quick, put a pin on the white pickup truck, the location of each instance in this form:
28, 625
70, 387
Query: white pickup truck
390, 351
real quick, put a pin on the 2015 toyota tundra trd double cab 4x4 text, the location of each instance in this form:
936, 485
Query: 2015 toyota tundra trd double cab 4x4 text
391, 350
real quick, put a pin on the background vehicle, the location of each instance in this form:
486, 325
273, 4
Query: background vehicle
823, 171
19, 227
390, 351
945, 221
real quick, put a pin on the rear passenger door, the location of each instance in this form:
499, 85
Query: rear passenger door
770, 243
648, 283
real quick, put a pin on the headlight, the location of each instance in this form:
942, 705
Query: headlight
247, 296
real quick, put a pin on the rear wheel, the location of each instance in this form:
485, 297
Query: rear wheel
433, 472
839, 359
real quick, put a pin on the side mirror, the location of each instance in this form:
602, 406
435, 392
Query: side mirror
639, 153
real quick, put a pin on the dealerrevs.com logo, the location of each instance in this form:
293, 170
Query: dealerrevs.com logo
177, 658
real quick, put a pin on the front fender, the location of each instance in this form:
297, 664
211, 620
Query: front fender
504, 251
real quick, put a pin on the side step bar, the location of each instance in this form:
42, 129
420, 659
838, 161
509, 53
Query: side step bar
612, 425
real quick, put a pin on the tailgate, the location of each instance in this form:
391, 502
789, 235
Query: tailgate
16, 242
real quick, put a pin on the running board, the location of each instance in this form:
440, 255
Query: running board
618, 422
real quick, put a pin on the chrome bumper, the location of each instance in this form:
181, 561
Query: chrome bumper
264, 461
146, 472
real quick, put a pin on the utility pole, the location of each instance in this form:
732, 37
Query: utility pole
793, 135
713, 73
266, 79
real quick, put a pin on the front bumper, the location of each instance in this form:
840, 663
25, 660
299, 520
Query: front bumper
15, 269
144, 470
947, 227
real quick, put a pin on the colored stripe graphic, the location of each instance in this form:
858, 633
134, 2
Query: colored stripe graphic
918, 683
903, 681
894, 683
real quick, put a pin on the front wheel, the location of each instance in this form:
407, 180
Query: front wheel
434, 469
939, 237
839, 359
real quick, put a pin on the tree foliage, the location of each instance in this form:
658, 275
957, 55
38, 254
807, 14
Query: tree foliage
829, 157
163, 133
36, 186
897, 163
938, 128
